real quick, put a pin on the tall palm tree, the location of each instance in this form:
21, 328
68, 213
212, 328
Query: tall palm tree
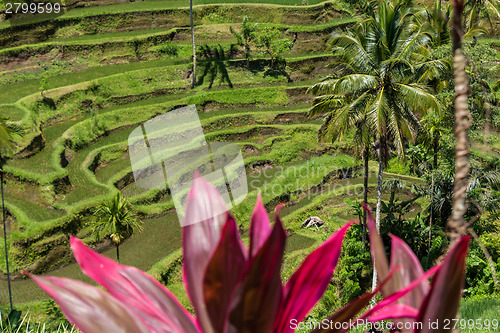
378, 55
116, 219
7, 136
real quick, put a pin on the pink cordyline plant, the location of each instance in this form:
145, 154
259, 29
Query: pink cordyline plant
238, 289
424, 308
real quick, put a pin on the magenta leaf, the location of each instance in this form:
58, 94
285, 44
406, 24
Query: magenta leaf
309, 282
260, 228
222, 275
144, 296
400, 293
403, 256
395, 311
443, 299
256, 300
345, 316
90, 309
199, 240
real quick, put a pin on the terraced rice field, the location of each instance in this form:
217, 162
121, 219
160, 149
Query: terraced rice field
97, 105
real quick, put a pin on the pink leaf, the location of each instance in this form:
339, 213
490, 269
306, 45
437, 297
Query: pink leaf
89, 308
443, 299
147, 298
395, 311
199, 240
222, 275
309, 282
403, 256
346, 315
260, 228
256, 300
400, 293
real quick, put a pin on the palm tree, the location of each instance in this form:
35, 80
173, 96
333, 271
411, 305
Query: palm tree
433, 128
381, 81
7, 135
116, 219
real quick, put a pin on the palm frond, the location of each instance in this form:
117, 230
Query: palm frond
408, 47
417, 98
8, 134
324, 87
353, 51
324, 104
354, 83
432, 69
474, 31
377, 113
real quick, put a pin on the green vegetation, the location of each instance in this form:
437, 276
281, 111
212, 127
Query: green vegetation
78, 89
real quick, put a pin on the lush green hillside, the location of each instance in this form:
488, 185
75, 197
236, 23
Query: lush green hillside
80, 83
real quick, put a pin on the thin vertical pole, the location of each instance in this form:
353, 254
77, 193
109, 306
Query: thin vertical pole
193, 81
5, 241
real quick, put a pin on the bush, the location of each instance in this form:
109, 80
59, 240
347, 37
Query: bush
397, 166
353, 274
55, 314
168, 49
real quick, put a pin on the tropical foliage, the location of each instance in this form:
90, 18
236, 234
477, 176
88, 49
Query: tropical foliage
238, 289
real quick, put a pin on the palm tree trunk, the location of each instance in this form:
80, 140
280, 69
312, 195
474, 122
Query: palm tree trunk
365, 191
434, 168
457, 223
379, 204
193, 80
117, 252
487, 115
5, 239
435, 148
431, 219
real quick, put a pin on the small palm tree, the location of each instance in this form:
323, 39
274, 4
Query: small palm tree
7, 134
433, 128
116, 219
245, 37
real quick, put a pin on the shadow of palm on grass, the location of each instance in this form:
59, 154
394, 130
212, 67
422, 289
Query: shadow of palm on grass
214, 64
